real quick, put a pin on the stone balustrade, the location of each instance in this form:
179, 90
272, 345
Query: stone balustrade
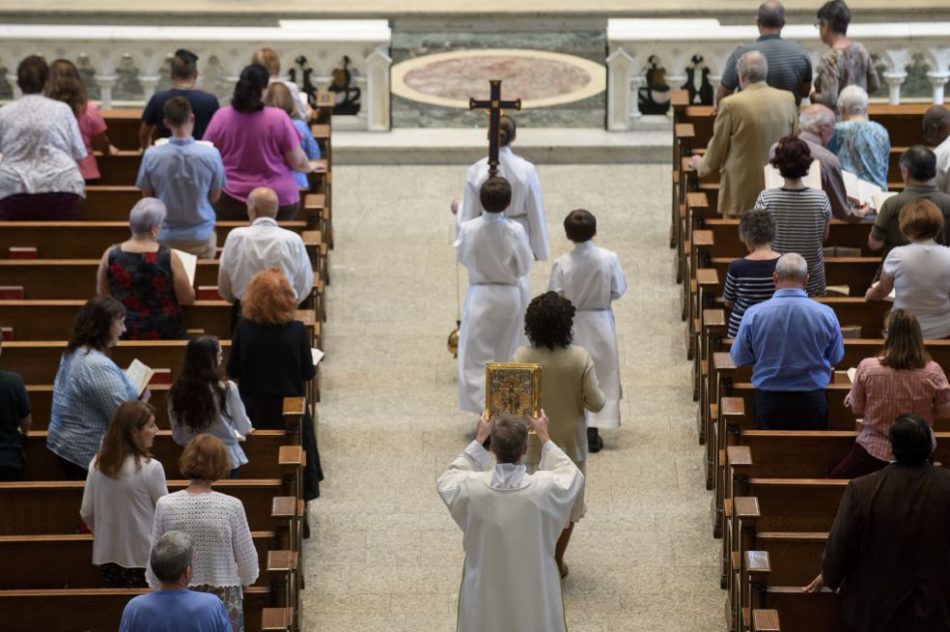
901, 50
125, 65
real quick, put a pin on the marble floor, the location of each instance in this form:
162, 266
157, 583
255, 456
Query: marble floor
384, 554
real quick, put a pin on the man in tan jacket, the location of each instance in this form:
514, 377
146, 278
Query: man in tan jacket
747, 124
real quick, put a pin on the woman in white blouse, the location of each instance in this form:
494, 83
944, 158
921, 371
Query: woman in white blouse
201, 401
41, 145
919, 273
225, 557
118, 502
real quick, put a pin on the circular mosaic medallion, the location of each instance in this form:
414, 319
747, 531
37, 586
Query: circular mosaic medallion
538, 78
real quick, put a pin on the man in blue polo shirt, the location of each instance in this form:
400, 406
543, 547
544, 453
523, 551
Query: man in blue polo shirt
792, 343
174, 607
187, 176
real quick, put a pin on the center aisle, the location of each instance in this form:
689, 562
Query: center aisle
384, 554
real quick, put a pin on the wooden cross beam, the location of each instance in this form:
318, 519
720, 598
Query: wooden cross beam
494, 105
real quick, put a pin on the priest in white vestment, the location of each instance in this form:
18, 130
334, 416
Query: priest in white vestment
511, 521
591, 278
496, 253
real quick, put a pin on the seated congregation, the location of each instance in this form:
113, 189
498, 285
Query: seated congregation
158, 419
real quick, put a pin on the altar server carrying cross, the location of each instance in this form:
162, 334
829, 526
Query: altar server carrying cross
494, 105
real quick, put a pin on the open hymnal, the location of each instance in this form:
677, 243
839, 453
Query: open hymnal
851, 373
774, 179
317, 355
190, 262
862, 191
140, 375
890, 297
878, 199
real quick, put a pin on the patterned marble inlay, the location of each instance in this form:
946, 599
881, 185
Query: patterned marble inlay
539, 78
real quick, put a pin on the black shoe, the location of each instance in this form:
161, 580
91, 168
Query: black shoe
594, 441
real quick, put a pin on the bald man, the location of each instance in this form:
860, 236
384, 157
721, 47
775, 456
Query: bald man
789, 66
262, 245
937, 132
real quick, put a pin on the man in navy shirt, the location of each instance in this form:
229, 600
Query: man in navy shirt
184, 72
174, 607
792, 343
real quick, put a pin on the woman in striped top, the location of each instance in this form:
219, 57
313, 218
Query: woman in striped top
749, 280
802, 214
902, 379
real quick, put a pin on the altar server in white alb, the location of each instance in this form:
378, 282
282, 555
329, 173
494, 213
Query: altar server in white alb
496, 253
510, 520
591, 278
526, 207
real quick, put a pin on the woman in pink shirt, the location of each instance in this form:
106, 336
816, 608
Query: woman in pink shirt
902, 379
66, 85
259, 147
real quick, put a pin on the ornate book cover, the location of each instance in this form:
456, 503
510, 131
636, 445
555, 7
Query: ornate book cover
512, 388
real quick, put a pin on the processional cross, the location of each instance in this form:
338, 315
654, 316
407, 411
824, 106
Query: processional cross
494, 105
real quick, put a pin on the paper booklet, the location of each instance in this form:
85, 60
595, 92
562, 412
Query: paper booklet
190, 262
140, 375
317, 355
774, 179
878, 199
890, 297
861, 190
851, 373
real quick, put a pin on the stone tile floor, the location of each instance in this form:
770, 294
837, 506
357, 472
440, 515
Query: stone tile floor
384, 554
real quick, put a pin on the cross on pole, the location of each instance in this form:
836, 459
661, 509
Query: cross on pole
494, 105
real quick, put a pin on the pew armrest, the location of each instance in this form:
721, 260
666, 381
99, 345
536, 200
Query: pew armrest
733, 407
746, 508
739, 456
291, 457
284, 508
279, 561
757, 563
765, 621
277, 619
707, 277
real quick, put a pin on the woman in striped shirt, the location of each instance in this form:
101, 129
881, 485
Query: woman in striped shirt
802, 214
901, 380
749, 280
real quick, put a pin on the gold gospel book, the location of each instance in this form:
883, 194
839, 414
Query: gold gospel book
512, 388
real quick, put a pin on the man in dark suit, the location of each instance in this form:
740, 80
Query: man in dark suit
889, 548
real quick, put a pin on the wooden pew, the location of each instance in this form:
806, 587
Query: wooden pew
41, 404
112, 203
88, 239
52, 507
37, 361
100, 609
263, 450
123, 168
51, 319
65, 560
855, 272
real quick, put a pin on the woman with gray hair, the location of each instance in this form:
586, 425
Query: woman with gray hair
147, 278
862, 145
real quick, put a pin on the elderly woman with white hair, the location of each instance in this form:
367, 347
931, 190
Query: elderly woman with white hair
147, 278
862, 145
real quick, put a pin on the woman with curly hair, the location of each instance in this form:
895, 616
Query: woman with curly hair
568, 388
802, 214
201, 402
66, 85
271, 359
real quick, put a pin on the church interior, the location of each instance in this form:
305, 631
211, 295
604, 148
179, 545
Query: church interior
699, 519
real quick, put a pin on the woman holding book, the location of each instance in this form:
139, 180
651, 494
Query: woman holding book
271, 359
118, 502
901, 379
568, 388
201, 401
89, 387
149, 279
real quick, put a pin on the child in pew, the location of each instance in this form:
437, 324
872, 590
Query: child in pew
900, 379
15, 421
118, 503
201, 401
279, 96
591, 278
749, 280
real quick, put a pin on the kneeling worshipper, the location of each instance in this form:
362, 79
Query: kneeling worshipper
511, 521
